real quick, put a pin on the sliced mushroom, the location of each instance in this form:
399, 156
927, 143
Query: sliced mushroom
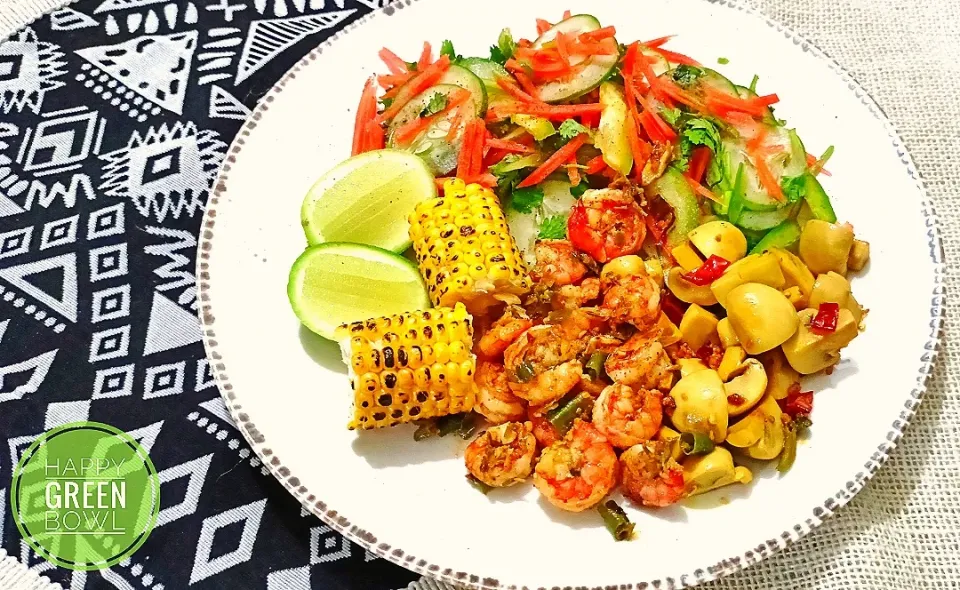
762, 317
701, 402
690, 366
756, 268
713, 470
771, 442
686, 291
719, 238
749, 386
808, 351
781, 377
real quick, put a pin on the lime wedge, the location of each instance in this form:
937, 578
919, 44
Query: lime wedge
367, 199
335, 283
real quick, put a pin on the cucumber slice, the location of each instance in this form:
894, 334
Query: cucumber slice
658, 63
789, 162
818, 200
673, 188
786, 235
755, 198
366, 199
763, 220
596, 69
525, 227
465, 78
716, 80
432, 144
768, 118
335, 283
488, 71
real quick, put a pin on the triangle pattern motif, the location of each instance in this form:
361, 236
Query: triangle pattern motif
68, 19
109, 5
268, 38
224, 105
170, 326
154, 66
63, 303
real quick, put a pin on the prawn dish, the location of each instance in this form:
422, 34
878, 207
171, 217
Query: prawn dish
631, 261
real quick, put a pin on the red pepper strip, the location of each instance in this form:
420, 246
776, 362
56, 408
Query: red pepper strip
599, 34
555, 161
543, 26
677, 58
510, 146
426, 57
366, 111
595, 165
425, 79
797, 404
825, 322
698, 163
709, 271
673, 307
654, 43
549, 111
513, 90
393, 61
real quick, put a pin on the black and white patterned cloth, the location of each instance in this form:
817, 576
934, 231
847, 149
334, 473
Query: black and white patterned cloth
114, 117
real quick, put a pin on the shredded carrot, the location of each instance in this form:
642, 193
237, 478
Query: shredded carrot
650, 111
595, 165
702, 190
638, 148
426, 57
374, 138
390, 80
425, 79
411, 129
573, 174
812, 161
393, 61
455, 125
659, 41
510, 146
592, 48
555, 161
464, 159
566, 14
527, 85
476, 164
548, 111
604, 33
677, 58
366, 111
543, 26
563, 41
721, 103
488, 180
698, 163
513, 90
767, 179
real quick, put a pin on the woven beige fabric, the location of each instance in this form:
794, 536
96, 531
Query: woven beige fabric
903, 530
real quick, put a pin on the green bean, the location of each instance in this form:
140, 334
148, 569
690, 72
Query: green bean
562, 416
449, 424
471, 422
594, 366
695, 443
524, 372
479, 485
616, 520
789, 453
426, 429
801, 423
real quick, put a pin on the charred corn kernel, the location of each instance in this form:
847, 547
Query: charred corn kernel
687, 257
465, 251
732, 357
410, 366
728, 337
697, 326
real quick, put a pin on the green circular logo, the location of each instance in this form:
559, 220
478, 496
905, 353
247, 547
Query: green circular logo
85, 496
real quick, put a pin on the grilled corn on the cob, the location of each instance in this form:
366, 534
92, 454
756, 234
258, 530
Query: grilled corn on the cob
465, 251
411, 366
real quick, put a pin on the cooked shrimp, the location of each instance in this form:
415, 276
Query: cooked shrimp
574, 296
504, 331
503, 455
541, 365
606, 224
557, 263
577, 472
628, 416
495, 402
633, 299
650, 475
641, 362
543, 430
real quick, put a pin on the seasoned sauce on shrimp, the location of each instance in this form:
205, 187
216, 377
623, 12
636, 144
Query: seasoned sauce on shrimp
650, 475
641, 362
633, 299
541, 365
607, 223
577, 472
628, 416
557, 263
504, 331
495, 401
502, 455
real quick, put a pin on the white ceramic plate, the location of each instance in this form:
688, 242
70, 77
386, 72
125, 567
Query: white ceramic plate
408, 501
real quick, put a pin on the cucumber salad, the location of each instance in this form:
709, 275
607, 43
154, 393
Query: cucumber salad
602, 261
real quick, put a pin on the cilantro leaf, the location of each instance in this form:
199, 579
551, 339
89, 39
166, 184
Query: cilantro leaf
577, 191
794, 187
504, 48
723, 61
437, 103
685, 75
508, 171
446, 48
525, 200
698, 131
714, 172
753, 83
570, 129
553, 228
671, 116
